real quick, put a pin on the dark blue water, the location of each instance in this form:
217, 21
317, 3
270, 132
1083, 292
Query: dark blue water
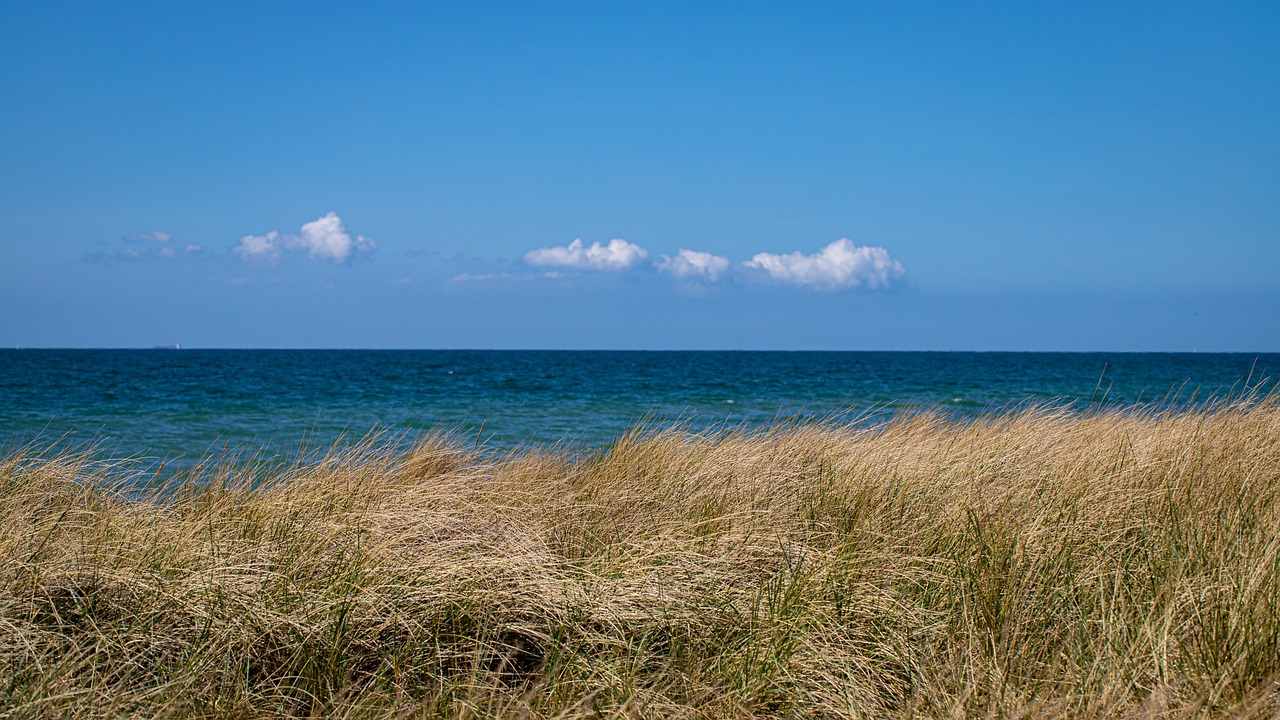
184, 404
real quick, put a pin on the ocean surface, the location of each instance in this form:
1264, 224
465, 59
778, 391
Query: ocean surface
181, 405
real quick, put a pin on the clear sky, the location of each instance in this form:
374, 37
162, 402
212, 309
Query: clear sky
932, 176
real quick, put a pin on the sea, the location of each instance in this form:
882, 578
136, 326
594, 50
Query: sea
179, 406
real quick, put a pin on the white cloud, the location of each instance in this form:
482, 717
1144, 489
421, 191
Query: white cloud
617, 255
694, 265
840, 265
155, 236
323, 239
260, 248
327, 239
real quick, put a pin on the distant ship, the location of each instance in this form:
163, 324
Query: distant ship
175, 346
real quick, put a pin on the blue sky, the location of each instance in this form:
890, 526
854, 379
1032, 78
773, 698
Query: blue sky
947, 176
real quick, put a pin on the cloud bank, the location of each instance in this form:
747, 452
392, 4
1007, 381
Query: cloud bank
618, 255
838, 266
322, 239
694, 265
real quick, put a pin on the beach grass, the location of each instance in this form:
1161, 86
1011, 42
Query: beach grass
1039, 563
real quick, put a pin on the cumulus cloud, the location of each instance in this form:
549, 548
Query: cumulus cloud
327, 239
260, 248
322, 239
616, 256
838, 266
694, 265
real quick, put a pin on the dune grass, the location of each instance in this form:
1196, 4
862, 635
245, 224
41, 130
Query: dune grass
1038, 564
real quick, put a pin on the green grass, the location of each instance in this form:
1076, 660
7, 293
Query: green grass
1041, 564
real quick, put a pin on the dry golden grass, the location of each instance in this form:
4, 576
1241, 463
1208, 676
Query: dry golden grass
1040, 564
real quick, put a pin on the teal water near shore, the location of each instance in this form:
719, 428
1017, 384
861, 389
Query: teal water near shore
181, 405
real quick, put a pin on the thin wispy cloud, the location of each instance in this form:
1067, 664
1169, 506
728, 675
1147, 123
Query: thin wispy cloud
617, 256
694, 265
160, 253
478, 278
325, 238
144, 247
154, 236
838, 266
